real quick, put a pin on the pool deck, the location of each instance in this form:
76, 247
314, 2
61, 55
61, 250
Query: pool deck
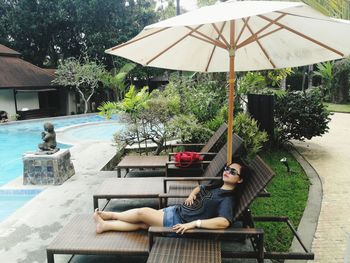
25, 234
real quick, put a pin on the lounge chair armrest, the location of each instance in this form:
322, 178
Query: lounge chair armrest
159, 230
192, 178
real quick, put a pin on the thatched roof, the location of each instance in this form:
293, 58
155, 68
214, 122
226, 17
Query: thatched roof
17, 73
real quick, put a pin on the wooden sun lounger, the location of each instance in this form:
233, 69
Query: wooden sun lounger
79, 237
153, 186
160, 162
262, 175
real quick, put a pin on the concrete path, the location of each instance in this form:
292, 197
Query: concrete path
330, 157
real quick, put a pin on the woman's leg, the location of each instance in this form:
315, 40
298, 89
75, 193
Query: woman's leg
116, 225
149, 216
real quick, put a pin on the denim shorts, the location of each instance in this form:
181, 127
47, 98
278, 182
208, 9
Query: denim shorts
171, 218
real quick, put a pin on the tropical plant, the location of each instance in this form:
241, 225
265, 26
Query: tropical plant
188, 129
116, 81
148, 116
253, 139
84, 77
325, 71
155, 118
201, 94
107, 108
341, 81
251, 82
300, 116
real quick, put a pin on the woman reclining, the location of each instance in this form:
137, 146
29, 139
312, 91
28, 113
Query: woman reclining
210, 207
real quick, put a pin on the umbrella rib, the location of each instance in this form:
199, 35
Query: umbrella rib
304, 36
259, 37
253, 37
135, 40
212, 52
212, 41
220, 33
169, 47
242, 30
261, 47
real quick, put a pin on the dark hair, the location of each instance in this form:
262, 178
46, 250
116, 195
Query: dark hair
244, 174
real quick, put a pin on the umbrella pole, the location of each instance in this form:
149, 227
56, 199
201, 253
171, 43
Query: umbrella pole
231, 93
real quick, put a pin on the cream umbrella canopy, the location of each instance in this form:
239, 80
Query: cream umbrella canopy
239, 36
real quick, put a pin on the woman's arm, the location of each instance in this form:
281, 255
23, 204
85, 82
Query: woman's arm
192, 196
212, 223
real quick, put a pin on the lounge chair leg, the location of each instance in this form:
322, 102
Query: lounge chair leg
50, 257
260, 246
95, 202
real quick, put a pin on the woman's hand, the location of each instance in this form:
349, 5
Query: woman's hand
190, 199
182, 228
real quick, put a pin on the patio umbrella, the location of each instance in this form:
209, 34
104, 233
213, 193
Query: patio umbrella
239, 36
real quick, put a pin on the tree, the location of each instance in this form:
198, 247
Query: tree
85, 77
116, 81
46, 31
132, 105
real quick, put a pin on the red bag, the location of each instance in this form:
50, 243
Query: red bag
186, 159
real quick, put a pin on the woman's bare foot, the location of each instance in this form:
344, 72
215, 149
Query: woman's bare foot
99, 223
106, 215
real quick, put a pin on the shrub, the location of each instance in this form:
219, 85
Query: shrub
340, 85
188, 129
247, 129
300, 116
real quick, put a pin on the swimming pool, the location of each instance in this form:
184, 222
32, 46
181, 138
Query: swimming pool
21, 137
11, 200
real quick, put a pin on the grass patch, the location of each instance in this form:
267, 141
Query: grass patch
289, 193
338, 107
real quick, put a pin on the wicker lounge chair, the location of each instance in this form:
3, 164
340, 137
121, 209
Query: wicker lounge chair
79, 237
141, 162
151, 187
167, 249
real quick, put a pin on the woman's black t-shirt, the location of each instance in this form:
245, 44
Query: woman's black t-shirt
208, 204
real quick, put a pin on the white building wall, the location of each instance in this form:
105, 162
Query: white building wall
29, 100
7, 101
71, 103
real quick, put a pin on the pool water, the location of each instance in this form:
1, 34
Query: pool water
11, 200
18, 138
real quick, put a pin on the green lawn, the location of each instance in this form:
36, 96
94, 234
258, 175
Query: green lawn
338, 107
289, 193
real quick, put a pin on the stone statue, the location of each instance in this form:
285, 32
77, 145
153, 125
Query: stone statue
49, 146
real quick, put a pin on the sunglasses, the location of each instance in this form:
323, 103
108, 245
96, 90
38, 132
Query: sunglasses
232, 171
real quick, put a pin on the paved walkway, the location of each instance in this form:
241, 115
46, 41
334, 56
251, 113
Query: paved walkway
330, 157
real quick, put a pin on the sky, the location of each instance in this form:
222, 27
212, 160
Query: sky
187, 4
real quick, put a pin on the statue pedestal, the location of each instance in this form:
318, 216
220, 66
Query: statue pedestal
47, 169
